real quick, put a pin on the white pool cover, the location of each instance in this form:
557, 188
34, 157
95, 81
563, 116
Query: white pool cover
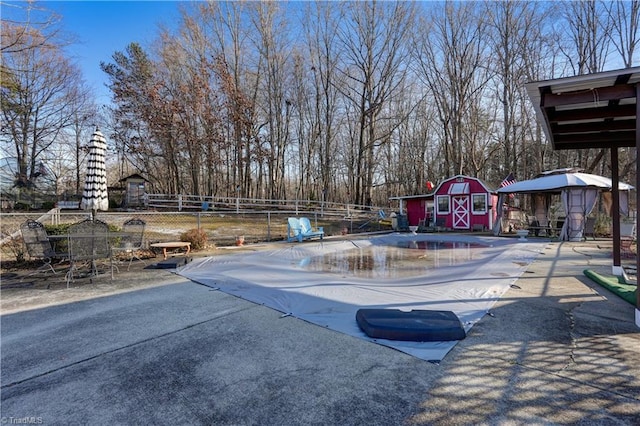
326, 282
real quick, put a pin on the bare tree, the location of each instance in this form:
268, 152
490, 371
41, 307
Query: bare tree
588, 31
321, 29
188, 82
624, 16
40, 102
228, 29
409, 159
21, 20
305, 123
587, 48
451, 60
186, 114
275, 103
514, 27
374, 67
233, 103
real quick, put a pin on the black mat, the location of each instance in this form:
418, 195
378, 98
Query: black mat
415, 326
173, 262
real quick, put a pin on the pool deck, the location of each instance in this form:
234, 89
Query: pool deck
152, 347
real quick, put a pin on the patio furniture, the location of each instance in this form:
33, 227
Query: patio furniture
379, 219
172, 245
308, 231
590, 228
300, 229
130, 242
383, 219
39, 245
293, 229
534, 227
88, 242
628, 247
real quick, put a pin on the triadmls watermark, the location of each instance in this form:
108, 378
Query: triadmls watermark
27, 420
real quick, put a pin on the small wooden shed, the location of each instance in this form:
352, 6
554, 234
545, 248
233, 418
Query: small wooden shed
135, 188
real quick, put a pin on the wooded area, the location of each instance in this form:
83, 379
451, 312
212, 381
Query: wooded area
338, 101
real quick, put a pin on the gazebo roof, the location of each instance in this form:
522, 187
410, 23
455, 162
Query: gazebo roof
557, 181
588, 111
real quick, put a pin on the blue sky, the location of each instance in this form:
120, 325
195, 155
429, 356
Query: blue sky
104, 27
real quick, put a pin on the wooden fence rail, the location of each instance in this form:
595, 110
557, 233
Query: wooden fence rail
183, 202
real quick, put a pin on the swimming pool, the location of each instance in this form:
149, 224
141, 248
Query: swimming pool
326, 282
401, 259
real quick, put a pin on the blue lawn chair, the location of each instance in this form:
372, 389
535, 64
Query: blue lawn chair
300, 230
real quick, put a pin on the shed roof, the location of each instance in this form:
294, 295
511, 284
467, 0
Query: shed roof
409, 197
134, 176
432, 194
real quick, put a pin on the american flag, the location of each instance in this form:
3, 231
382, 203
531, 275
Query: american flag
509, 180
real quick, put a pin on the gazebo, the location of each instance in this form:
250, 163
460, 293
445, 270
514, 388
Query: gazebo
600, 111
578, 192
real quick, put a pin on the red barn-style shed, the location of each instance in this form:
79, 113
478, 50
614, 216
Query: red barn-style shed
418, 208
459, 203
464, 203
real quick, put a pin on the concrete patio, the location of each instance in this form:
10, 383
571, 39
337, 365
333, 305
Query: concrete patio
152, 347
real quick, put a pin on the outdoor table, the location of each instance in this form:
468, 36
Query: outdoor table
174, 245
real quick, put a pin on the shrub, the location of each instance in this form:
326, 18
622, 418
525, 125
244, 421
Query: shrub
59, 245
60, 229
197, 238
48, 205
22, 206
15, 245
603, 225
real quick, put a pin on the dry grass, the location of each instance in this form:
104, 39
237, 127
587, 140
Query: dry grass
221, 229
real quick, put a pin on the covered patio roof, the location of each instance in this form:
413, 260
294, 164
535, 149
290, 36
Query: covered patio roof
597, 110
588, 111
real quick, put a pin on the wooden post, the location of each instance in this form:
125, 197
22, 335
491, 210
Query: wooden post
637, 204
615, 212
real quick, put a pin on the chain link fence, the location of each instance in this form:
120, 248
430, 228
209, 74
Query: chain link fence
221, 228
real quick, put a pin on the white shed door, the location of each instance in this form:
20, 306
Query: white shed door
461, 214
